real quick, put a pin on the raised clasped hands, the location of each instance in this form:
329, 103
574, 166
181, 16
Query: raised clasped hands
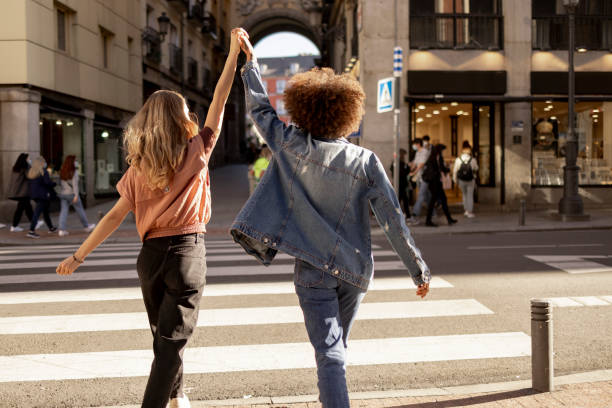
240, 40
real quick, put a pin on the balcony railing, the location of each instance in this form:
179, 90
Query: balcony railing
152, 45
192, 71
452, 31
176, 59
209, 26
592, 32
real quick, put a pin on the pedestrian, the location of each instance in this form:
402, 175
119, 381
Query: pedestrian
464, 175
19, 191
69, 195
261, 164
432, 174
402, 194
168, 188
423, 195
41, 191
315, 206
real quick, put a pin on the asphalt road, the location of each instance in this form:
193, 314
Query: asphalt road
472, 328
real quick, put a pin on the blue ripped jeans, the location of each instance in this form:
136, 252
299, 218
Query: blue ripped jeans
329, 306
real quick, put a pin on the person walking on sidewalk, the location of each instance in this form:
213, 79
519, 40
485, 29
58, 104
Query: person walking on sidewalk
464, 174
168, 188
314, 204
432, 174
69, 195
423, 195
19, 191
402, 194
41, 191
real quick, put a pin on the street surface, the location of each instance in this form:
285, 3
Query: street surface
84, 340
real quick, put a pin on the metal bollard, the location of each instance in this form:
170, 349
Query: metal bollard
542, 375
522, 211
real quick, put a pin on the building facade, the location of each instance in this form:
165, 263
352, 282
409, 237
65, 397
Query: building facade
79, 69
494, 73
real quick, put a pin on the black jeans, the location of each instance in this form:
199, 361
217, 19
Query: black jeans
42, 206
404, 200
23, 204
437, 194
172, 273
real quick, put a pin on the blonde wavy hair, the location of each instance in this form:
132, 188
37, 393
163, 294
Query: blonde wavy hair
38, 168
156, 137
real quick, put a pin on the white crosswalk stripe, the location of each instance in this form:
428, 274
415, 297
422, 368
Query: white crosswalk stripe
257, 357
574, 264
116, 263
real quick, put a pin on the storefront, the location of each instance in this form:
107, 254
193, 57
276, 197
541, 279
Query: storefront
109, 163
594, 134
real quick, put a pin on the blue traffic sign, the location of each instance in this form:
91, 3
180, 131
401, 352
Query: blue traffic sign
385, 95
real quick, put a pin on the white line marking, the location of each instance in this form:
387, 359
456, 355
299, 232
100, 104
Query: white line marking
533, 246
579, 301
574, 264
235, 317
240, 270
256, 357
210, 290
590, 300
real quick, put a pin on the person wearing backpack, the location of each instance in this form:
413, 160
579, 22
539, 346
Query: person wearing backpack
464, 175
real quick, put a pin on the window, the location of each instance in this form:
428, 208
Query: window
280, 107
61, 30
107, 38
458, 24
593, 25
594, 135
280, 86
109, 164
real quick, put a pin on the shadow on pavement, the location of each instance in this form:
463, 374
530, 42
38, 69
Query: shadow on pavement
466, 402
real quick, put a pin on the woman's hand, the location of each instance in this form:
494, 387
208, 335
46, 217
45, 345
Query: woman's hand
246, 45
422, 290
75, 199
67, 266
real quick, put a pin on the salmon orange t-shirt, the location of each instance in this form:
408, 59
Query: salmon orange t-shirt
182, 208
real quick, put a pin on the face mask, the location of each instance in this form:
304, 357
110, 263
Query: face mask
76, 164
425, 144
30, 162
414, 147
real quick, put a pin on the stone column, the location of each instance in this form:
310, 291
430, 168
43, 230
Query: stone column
89, 164
19, 133
376, 42
517, 49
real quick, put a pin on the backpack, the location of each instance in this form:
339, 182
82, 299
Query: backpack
465, 172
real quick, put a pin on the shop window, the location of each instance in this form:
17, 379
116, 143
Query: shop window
60, 136
108, 160
459, 24
594, 134
453, 123
593, 25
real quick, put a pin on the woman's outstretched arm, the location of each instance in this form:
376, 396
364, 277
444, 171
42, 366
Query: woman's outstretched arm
105, 227
214, 118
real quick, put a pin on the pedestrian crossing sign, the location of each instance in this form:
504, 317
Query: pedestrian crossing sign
385, 95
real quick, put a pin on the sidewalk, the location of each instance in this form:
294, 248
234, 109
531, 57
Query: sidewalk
582, 390
230, 192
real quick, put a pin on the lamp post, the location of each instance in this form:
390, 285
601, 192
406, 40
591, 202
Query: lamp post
164, 22
571, 205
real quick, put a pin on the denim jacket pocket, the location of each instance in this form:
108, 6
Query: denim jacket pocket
307, 276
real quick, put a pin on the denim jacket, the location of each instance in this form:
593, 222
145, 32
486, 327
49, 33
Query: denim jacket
313, 200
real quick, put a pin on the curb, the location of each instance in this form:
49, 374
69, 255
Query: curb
577, 378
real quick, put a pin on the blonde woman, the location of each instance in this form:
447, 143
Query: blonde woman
465, 171
168, 189
41, 190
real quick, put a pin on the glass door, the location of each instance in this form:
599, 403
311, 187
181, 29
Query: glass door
483, 115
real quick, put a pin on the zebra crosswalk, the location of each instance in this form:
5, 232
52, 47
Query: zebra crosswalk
241, 295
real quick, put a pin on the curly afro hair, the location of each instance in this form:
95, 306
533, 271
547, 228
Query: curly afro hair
325, 104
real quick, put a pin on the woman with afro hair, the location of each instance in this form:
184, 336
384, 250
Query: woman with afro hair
313, 203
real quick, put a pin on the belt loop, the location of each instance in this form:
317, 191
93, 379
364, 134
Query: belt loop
196, 237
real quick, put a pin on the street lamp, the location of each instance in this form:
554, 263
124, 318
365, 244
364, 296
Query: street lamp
164, 23
571, 206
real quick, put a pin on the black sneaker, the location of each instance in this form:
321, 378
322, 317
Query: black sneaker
452, 221
52, 230
32, 234
430, 224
